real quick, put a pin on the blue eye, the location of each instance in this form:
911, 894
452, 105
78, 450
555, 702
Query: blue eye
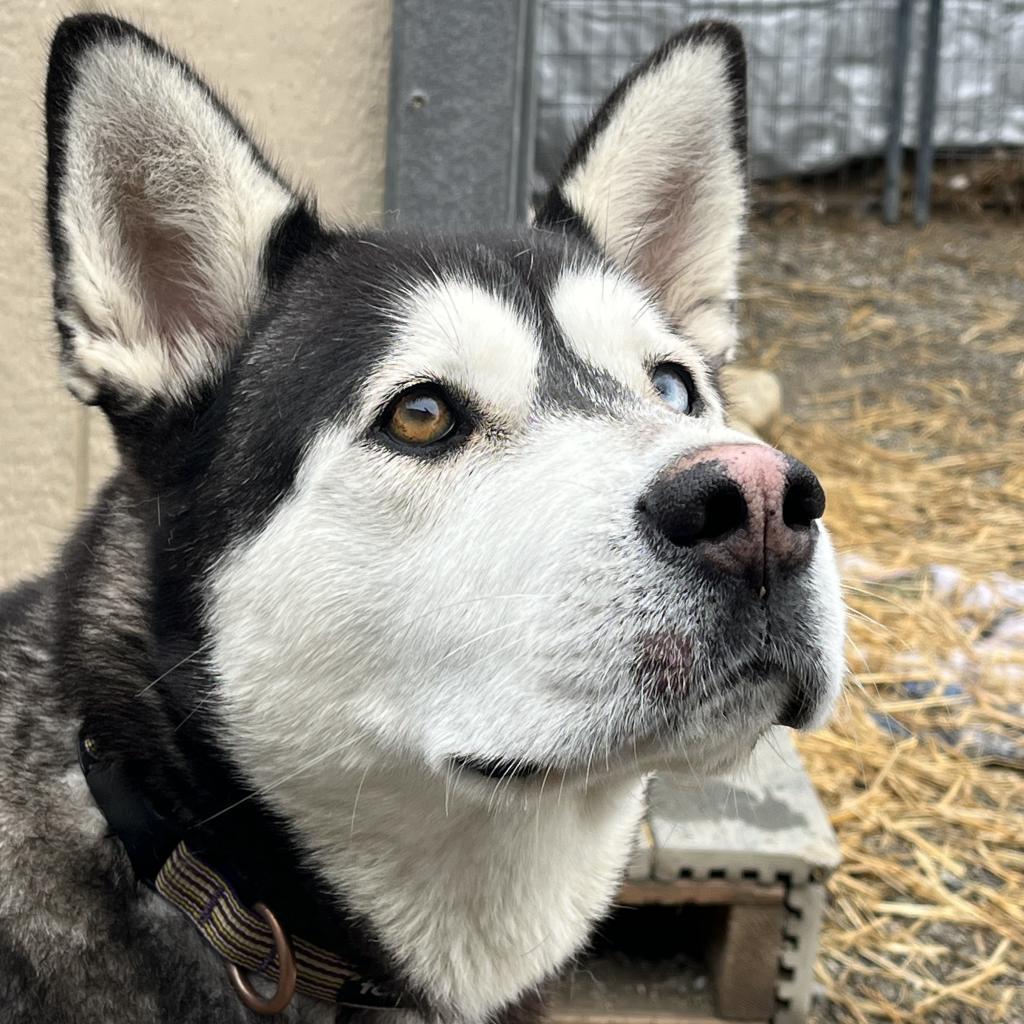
675, 385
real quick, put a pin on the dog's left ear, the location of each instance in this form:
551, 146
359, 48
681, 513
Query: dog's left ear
658, 179
166, 222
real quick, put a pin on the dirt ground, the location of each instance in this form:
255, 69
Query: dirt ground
845, 302
901, 354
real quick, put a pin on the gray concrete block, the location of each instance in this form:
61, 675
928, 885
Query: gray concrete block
794, 989
765, 822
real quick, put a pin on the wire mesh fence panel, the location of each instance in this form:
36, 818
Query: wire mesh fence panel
820, 85
979, 134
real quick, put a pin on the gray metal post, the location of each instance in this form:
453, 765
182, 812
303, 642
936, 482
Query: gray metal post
926, 115
525, 143
460, 117
891, 194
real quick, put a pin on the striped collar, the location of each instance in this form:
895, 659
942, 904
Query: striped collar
242, 937
247, 938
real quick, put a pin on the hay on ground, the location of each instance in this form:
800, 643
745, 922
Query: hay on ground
927, 915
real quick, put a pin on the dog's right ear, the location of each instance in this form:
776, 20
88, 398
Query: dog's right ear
165, 221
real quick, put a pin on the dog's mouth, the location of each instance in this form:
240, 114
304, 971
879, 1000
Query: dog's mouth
498, 769
781, 692
664, 669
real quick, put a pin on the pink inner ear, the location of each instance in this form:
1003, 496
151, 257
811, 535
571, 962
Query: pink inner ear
659, 254
168, 263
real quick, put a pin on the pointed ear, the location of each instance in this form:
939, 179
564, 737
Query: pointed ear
658, 179
164, 219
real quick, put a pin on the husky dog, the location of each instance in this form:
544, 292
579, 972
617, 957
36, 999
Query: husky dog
422, 554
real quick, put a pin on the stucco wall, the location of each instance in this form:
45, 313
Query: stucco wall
311, 78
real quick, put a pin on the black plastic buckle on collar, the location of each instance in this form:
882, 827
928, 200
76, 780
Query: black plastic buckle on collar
146, 835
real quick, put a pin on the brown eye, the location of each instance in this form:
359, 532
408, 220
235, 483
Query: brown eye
419, 417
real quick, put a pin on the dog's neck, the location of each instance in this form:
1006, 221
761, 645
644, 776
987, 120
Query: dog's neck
478, 899
137, 714
467, 901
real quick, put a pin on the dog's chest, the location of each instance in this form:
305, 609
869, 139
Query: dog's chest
481, 904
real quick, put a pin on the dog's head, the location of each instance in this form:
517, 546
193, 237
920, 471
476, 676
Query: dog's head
457, 506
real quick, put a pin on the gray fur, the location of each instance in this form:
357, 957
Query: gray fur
79, 940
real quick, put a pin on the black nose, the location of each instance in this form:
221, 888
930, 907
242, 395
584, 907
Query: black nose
803, 500
747, 509
699, 504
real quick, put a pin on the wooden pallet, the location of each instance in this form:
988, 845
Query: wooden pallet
742, 923
719, 917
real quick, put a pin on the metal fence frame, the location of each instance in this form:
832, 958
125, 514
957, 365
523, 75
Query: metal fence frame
462, 112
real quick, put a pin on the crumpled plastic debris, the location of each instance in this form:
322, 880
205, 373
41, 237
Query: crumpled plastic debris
1001, 597
989, 747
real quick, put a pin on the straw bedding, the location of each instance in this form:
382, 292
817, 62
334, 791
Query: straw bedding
922, 770
928, 907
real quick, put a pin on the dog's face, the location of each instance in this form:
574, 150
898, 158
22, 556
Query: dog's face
463, 507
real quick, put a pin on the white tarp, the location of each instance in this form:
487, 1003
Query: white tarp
819, 72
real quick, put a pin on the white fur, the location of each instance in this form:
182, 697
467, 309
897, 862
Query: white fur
144, 141
826, 623
394, 613
662, 190
454, 332
613, 324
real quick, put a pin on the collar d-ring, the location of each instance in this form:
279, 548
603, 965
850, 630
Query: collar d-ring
285, 971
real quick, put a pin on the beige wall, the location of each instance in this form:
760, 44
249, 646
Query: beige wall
310, 77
